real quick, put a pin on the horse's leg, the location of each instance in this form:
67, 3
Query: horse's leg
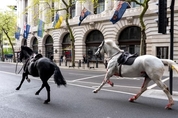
42, 86
23, 78
106, 79
48, 92
28, 80
143, 88
166, 91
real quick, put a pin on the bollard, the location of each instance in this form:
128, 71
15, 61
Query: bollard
106, 63
59, 62
96, 63
79, 63
88, 64
66, 63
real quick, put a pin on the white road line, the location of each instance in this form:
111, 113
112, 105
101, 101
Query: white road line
103, 89
87, 78
78, 74
154, 85
128, 78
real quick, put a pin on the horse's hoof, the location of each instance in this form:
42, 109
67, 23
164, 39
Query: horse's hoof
46, 101
36, 93
17, 88
28, 80
95, 91
112, 84
131, 100
169, 106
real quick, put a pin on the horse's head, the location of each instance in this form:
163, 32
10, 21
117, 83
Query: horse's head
25, 53
109, 47
100, 49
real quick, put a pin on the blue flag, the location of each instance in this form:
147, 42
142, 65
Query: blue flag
26, 31
17, 33
122, 6
40, 28
83, 15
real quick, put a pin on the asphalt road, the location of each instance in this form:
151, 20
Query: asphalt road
77, 100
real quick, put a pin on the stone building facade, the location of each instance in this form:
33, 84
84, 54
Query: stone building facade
95, 28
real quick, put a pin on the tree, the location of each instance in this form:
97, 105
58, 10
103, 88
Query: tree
143, 26
8, 26
68, 4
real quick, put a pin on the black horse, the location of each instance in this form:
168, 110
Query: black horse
39, 66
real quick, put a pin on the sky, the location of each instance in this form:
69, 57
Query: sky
5, 3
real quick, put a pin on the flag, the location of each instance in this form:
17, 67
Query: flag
83, 15
120, 10
58, 21
17, 33
26, 31
40, 28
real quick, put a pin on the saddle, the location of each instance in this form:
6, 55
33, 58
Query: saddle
32, 61
127, 59
38, 56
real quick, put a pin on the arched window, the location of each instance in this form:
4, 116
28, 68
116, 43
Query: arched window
129, 39
35, 45
66, 46
93, 40
49, 46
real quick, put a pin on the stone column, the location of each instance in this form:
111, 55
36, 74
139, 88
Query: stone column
78, 8
22, 15
108, 5
29, 14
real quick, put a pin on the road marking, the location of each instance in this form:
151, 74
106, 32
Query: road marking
78, 74
103, 89
128, 78
11, 73
154, 85
87, 78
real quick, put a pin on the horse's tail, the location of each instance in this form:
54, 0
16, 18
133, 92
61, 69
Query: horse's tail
58, 77
170, 63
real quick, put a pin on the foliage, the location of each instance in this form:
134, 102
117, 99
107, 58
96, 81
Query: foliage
8, 26
145, 6
8, 51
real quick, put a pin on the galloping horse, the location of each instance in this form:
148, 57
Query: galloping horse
148, 66
42, 67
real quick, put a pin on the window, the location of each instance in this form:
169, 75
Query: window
133, 4
129, 39
131, 33
162, 52
93, 40
72, 10
98, 6
52, 19
35, 12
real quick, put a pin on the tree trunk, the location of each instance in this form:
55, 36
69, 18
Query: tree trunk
6, 33
143, 42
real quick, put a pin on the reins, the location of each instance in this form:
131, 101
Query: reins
16, 68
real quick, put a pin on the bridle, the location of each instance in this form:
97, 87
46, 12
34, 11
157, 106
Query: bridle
100, 47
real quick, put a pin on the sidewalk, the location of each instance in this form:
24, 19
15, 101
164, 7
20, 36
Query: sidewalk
101, 67
92, 67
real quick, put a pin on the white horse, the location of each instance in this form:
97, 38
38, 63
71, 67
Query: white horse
148, 66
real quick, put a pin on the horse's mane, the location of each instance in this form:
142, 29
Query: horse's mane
113, 45
27, 49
